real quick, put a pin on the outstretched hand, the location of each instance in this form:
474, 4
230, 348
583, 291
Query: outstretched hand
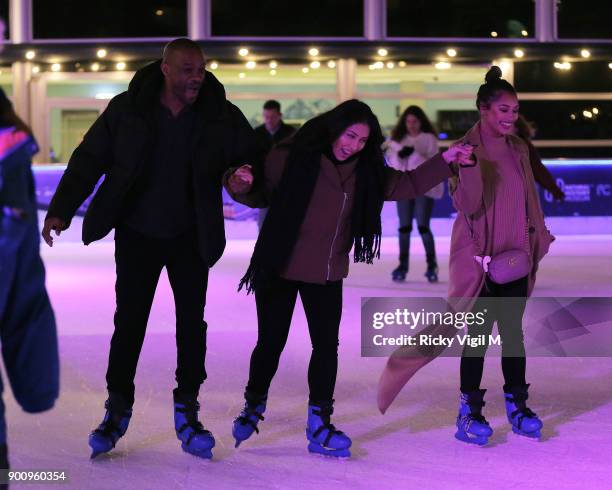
241, 180
52, 223
460, 153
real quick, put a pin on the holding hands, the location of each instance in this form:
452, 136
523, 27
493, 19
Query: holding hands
460, 153
241, 180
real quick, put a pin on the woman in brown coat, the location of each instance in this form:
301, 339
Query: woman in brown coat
326, 188
498, 211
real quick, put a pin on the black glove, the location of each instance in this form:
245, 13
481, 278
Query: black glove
405, 152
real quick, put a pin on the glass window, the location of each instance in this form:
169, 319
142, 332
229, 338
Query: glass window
578, 19
340, 18
109, 18
6, 80
583, 76
460, 18
446, 96
569, 119
68, 126
301, 95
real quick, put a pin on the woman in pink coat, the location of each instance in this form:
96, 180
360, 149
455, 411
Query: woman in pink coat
498, 211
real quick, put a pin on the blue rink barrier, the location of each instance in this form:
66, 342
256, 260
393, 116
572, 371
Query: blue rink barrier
587, 185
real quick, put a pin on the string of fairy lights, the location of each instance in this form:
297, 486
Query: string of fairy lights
314, 61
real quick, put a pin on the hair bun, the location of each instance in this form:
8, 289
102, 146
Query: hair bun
493, 74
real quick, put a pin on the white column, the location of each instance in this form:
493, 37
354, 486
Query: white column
40, 117
346, 72
374, 15
20, 20
546, 20
22, 74
198, 19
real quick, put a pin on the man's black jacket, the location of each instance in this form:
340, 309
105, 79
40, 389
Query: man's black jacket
119, 145
267, 141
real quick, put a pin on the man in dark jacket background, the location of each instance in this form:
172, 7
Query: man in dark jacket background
271, 132
162, 147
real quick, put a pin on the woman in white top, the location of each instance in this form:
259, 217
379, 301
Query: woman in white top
412, 142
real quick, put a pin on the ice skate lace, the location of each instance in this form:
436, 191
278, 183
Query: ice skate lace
522, 410
110, 426
522, 414
325, 414
108, 429
247, 415
191, 410
470, 418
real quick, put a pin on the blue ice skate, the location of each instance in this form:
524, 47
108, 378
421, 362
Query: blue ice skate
523, 420
246, 423
113, 426
472, 427
324, 438
194, 438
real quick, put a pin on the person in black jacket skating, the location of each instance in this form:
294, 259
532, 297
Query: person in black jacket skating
162, 147
270, 133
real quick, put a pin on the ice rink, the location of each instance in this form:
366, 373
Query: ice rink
412, 446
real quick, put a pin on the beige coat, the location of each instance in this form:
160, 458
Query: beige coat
472, 192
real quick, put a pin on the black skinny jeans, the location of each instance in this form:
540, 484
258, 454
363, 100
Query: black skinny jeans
421, 209
510, 326
140, 260
275, 304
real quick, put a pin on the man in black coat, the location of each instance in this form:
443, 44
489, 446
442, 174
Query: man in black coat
272, 131
162, 147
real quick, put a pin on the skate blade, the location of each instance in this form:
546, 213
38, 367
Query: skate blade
97, 452
532, 436
203, 454
100, 450
317, 450
479, 441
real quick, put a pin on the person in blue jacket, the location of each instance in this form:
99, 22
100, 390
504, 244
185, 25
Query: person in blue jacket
27, 325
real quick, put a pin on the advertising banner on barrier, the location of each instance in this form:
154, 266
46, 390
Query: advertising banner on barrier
587, 185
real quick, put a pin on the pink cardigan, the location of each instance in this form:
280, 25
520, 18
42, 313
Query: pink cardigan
472, 192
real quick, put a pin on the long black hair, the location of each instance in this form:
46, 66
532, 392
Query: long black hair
8, 116
399, 131
493, 86
291, 199
319, 134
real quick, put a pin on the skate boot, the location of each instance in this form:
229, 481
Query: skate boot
432, 274
194, 438
246, 423
324, 438
399, 273
524, 421
113, 426
472, 427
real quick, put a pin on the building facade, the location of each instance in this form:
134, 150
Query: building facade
62, 61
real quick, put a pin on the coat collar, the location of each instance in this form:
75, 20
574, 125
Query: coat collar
146, 85
474, 137
329, 169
